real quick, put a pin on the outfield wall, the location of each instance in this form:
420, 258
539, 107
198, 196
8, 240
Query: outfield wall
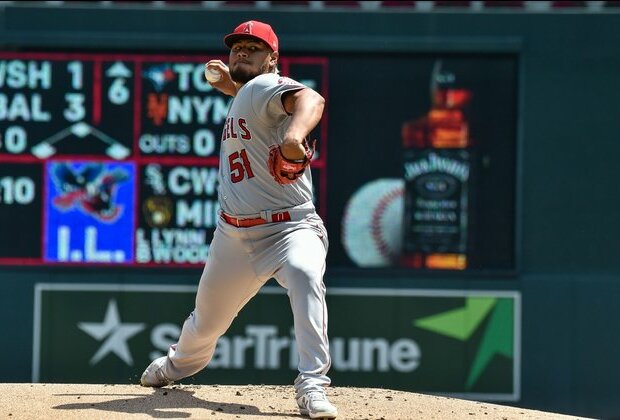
530, 320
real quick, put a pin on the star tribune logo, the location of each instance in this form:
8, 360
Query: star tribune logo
113, 335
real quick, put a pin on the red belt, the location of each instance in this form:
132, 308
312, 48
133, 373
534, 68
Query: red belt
284, 216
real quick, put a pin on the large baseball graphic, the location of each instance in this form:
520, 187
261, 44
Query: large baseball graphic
372, 223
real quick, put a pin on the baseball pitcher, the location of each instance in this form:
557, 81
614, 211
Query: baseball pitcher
268, 226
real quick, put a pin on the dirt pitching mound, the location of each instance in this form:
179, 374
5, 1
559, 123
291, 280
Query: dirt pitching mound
77, 401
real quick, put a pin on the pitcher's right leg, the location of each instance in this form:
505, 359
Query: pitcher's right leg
228, 282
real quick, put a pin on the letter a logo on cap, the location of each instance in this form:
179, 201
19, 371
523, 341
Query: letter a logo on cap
254, 29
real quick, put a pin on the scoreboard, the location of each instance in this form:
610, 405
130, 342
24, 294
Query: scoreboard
113, 158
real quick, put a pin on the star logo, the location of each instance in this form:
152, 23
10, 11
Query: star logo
462, 323
115, 333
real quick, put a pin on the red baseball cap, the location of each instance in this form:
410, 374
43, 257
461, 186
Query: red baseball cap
253, 29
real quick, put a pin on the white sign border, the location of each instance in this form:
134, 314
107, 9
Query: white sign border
336, 291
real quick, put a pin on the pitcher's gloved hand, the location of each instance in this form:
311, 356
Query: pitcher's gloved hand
286, 171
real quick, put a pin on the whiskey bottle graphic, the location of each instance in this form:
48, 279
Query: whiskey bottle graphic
437, 171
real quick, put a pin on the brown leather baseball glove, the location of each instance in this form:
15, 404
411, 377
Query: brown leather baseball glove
286, 171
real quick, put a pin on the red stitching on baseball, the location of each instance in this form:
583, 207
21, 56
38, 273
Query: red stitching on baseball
375, 226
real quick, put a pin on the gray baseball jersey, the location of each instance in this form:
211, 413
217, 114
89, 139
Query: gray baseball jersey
245, 185
242, 259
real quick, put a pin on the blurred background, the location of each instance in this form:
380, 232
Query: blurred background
466, 170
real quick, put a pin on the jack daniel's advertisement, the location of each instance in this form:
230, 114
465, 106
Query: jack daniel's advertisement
442, 196
437, 166
436, 208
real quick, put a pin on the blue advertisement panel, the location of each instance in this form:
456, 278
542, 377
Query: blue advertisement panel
89, 211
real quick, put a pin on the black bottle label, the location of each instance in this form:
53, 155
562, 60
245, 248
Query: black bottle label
436, 200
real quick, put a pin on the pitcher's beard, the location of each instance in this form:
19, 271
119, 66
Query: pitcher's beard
241, 75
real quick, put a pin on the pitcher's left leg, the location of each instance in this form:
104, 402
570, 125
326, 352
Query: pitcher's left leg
302, 275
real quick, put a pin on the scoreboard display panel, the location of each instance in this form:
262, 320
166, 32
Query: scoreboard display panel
112, 158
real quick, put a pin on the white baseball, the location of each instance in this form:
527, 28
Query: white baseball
372, 223
212, 75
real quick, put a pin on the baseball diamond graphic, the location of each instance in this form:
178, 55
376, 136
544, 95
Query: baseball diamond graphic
81, 130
